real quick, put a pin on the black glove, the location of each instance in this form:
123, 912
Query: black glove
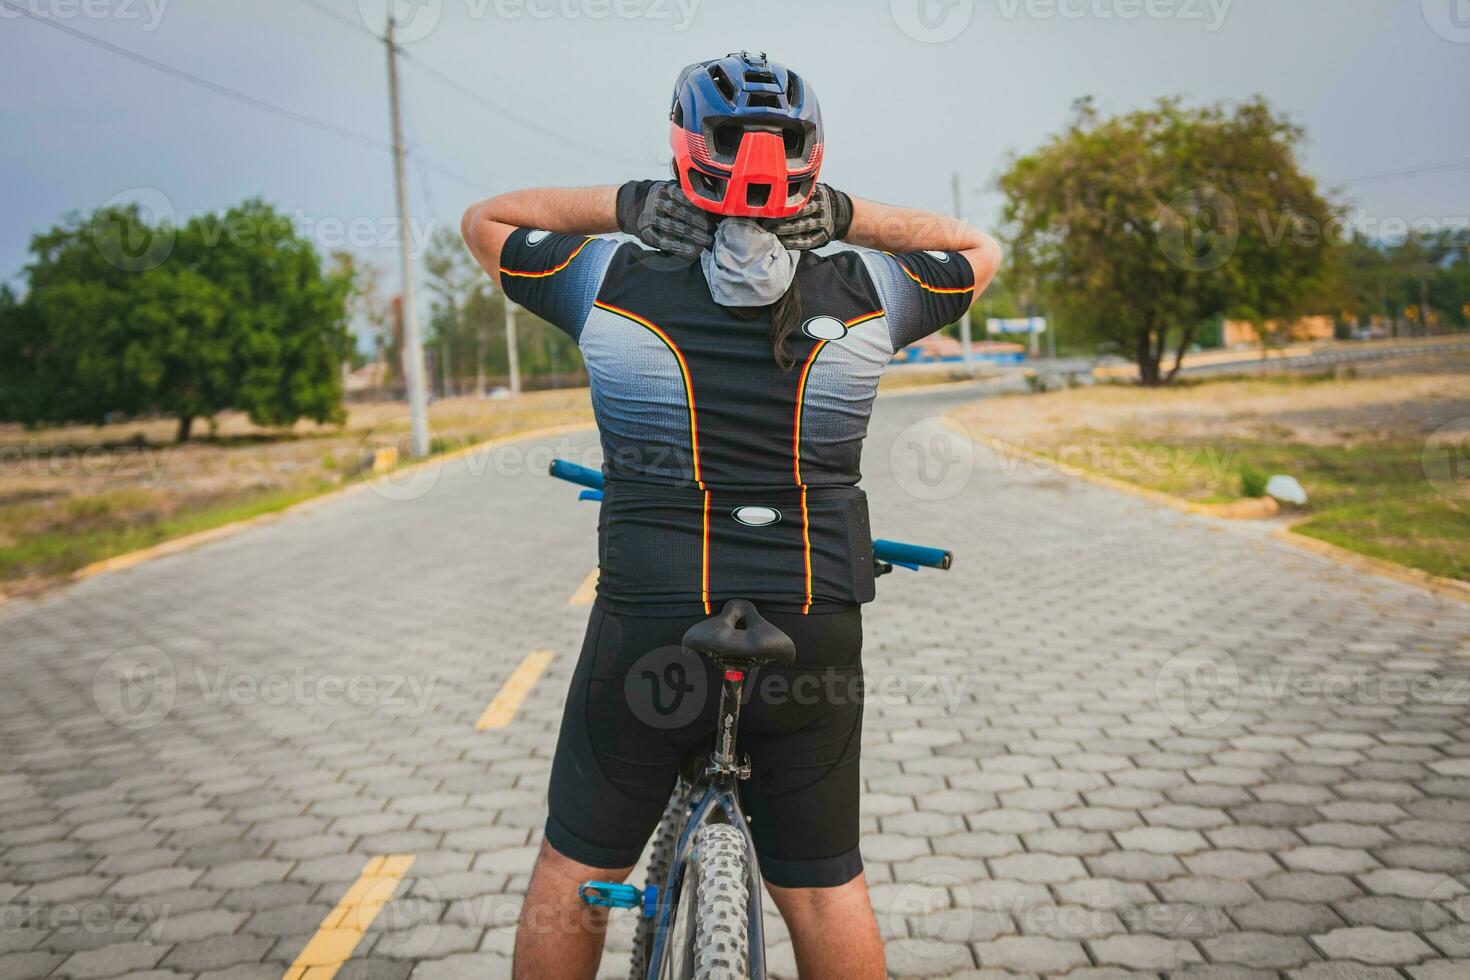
826, 218
657, 213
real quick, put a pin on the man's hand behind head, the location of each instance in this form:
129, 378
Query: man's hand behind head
657, 213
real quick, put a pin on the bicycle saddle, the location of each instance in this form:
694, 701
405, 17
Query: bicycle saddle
738, 633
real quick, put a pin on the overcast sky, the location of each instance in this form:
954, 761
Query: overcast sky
911, 91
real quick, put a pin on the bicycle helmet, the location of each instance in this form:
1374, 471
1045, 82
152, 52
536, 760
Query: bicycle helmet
746, 135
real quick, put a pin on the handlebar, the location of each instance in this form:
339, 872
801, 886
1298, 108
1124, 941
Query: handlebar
898, 553
884, 552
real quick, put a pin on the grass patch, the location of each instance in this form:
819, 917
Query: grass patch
1371, 498
58, 553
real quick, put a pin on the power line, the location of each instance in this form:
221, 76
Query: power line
180, 74
354, 25
525, 121
469, 93
1417, 171
192, 79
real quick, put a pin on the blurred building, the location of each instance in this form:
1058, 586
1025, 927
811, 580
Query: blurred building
1242, 333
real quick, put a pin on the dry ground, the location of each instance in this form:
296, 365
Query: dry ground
73, 495
1384, 455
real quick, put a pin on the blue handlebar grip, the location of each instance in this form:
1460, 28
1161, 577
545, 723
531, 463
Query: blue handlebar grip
572, 473
911, 554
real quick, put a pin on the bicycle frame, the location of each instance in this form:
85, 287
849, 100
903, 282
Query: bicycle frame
713, 793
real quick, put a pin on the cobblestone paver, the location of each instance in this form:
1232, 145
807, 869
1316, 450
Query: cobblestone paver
1112, 742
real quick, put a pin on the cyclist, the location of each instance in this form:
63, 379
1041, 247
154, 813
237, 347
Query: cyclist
733, 370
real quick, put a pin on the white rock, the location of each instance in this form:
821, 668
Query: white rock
1286, 489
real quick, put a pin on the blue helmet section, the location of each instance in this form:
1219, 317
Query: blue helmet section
746, 88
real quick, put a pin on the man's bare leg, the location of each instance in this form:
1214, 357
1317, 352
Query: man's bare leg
559, 935
833, 930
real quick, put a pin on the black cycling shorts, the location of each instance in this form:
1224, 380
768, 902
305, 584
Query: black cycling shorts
638, 706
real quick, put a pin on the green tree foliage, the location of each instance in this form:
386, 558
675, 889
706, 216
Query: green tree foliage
467, 324
1137, 229
122, 315
1416, 285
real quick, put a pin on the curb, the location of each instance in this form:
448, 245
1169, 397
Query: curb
1452, 588
1265, 507
188, 541
1249, 508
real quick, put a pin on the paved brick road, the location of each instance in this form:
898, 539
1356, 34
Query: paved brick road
1113, 741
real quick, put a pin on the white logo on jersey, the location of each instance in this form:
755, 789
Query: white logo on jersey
824, 328
940, 256
756, 516
536, 237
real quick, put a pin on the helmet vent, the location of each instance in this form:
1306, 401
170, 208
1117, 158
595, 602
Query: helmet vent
793, 88
760, 77
763, 100
723, 83
756, 195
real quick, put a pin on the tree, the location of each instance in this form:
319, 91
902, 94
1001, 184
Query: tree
452, 278
231, 311
1138, 229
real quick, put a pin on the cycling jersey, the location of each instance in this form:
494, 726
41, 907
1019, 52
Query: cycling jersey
727, 476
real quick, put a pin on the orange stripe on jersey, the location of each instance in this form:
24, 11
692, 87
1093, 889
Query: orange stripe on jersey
806, 370
549, 272
683, 369
864, 318
806, 548
704, 564
925, 285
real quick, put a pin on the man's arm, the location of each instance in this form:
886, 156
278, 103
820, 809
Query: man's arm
892, 229
570, 211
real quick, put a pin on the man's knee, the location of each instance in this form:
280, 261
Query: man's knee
796, 901
556, 866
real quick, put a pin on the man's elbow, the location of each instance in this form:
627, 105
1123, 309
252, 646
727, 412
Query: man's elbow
467, 225
985, 260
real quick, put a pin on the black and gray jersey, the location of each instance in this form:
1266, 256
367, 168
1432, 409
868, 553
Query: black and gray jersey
727, 475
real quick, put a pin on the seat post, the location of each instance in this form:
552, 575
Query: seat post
729, 720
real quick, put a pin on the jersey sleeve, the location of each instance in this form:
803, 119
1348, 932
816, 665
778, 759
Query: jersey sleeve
555, 276
921, 291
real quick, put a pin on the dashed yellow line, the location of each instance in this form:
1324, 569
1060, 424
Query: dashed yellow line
502, 710
343, 928
586, 592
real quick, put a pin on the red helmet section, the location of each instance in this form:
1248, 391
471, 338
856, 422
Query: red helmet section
758, 185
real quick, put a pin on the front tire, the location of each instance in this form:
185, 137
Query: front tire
665, 840
720, 870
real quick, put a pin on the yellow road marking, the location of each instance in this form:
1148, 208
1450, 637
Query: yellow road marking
343, 928
502, 710
586, 592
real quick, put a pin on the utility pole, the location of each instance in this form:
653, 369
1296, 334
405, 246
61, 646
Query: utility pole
413, 349
964, 320
511, 350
